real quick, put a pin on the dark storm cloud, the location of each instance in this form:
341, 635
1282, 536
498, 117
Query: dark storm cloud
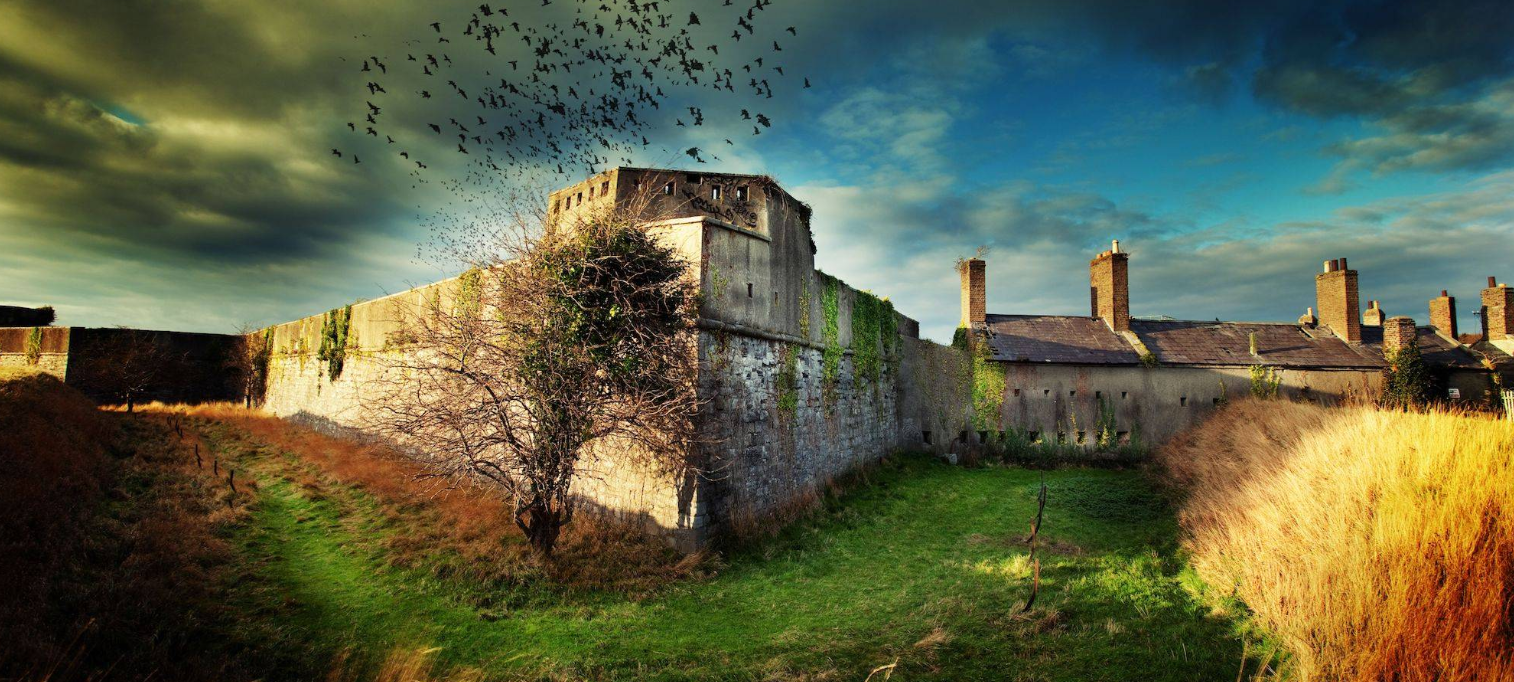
215, 166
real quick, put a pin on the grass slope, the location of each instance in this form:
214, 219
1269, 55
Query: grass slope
921, 564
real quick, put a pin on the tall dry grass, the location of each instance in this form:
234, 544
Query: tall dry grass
1376, 545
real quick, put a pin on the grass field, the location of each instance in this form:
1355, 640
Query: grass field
921, 565
330, 562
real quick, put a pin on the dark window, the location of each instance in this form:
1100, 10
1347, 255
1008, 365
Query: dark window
1017, 392
715, 193
925, 437
668, 188
1122, 437
1045, 391
962, 437
1098, 394
1071, 393
604, 188
982, 436
775, 298
693, 179
1123, 394
1034, 436
748, 289
1061, 437
741, 193
1183, 401
1080, 438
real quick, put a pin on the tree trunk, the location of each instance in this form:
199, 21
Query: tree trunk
542, 527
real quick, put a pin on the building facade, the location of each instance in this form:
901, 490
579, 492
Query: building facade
1066, 376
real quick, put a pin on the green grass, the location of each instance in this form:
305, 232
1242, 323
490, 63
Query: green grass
921, 563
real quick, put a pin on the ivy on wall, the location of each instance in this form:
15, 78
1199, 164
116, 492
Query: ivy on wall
830, 336
34, 346
804, 309
334, 335
788, 380
470, 290
988, 379
1264, 381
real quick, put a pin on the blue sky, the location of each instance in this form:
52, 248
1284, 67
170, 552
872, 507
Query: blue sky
180, 154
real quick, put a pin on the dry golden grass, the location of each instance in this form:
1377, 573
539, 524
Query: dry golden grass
1376, 545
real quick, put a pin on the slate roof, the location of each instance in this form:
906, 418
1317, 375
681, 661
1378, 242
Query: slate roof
1075, 339
1186, 342
1434, 348
1065, 339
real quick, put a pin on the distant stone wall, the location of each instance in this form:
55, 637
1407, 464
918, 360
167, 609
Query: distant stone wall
50, 356
194, 367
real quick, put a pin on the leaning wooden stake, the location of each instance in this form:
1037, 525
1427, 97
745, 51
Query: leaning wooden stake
199, 462
231, 479
1035, 532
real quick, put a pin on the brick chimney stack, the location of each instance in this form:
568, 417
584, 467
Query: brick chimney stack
974, 296
1373, 316
1336, 297
1109, 288
1497, 311
1443, 314
1398, 333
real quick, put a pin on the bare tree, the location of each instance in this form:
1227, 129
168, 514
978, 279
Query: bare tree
248, 360
574, 338
127, 364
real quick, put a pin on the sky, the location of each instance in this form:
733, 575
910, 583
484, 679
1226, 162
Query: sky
167, 163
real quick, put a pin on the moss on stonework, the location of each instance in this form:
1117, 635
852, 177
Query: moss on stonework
335, 330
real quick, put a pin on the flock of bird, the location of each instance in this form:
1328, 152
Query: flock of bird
523, 96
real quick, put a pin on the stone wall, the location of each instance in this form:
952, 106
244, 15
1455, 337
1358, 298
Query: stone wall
778, 430
194, 367
49, 357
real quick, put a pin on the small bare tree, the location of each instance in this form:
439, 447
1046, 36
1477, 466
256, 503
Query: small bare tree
127, 364
579, 336
248, 359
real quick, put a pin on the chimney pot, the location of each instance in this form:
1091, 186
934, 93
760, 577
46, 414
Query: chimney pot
1343, 264
1116, 248
1443, 293
1492, 281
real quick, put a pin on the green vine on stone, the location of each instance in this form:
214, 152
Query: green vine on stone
334, 335
788, 381
1264, 381
830, 364
470, 291
988, 380
34, 346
